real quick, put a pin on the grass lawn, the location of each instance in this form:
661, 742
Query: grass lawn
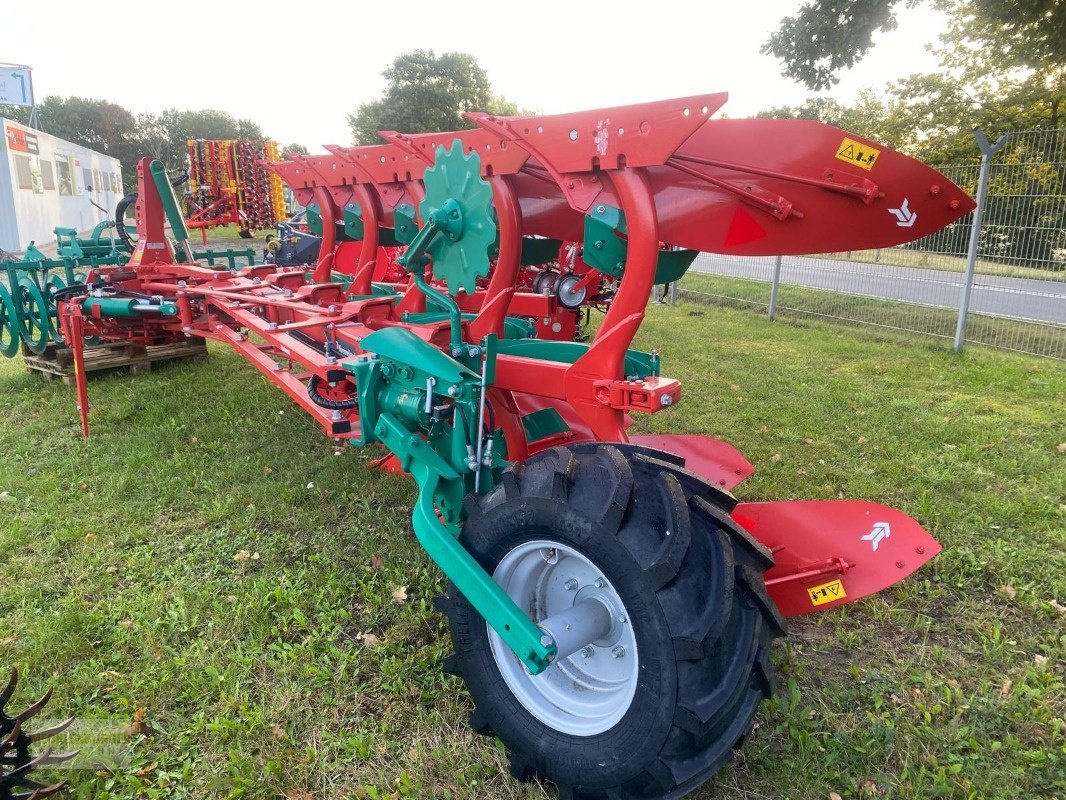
214, 573
1038, 338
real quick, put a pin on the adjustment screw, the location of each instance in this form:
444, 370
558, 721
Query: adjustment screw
571, 585
600, 583
666, 400
588, 652
618, 652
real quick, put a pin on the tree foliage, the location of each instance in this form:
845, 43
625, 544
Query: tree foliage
167, 135
997, 76
295, 148
871, 116
97, 124
109, 128
826, 36
426, 92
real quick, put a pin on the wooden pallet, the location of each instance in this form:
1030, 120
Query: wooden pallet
58, 362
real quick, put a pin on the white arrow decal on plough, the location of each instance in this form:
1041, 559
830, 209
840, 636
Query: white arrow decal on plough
904, 216
881, 530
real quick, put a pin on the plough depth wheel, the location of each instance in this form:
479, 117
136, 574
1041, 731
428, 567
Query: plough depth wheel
34, 323
663, 597
9, 324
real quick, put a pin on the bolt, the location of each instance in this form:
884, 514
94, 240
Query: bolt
551, 555
546, 641
588, 652
331, 359
453, 390
919, 550
272, 326
899, 565
666, 400
337, 415
473, 352
571, 585
600, 583
623, 618
618, 652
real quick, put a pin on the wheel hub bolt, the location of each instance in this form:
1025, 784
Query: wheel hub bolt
618, 652
600, 583
588, 652
571, 585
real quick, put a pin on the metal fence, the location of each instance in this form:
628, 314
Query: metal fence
1013, 296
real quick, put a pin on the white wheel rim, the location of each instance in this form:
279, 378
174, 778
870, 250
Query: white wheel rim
569, 294
588, 692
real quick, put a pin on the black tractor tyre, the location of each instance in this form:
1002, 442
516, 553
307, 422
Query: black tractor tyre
691, 582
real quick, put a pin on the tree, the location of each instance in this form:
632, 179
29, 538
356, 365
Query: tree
97, 124
171, 130
425, 92
295, 148
826, 36
871, 116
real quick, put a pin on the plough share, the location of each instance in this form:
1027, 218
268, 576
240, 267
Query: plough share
611, 604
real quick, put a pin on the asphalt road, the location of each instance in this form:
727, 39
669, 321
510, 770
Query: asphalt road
1022, 298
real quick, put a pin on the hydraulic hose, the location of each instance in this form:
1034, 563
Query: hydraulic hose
325, 402
120, 220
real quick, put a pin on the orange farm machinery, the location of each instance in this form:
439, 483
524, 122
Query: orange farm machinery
611, 603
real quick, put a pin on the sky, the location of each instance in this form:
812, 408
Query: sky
298, 69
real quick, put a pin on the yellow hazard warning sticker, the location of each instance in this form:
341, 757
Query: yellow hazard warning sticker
826, 592
857, 153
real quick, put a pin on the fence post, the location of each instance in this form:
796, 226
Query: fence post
773, 286
987, 152
673, 293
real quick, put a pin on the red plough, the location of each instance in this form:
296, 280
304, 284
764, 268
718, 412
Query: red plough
611, 604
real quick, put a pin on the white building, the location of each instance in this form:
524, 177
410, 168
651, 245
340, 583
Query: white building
46, 182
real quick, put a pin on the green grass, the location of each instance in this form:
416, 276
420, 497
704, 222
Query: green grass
797, 302
119, 584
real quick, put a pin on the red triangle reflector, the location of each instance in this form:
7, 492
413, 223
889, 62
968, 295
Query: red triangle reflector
743, 229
